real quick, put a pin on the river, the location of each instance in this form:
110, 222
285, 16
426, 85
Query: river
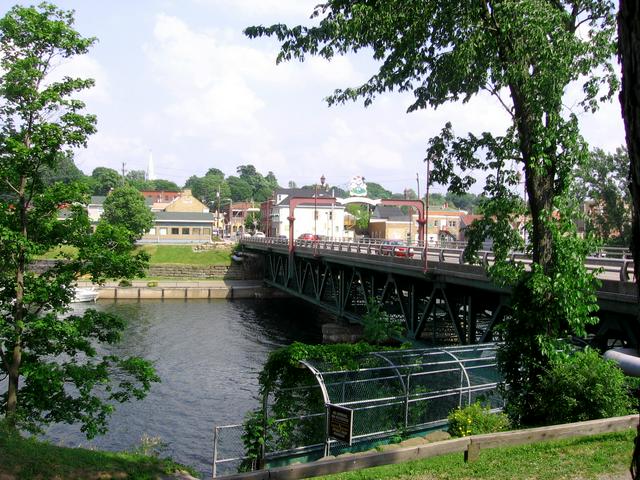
208, 354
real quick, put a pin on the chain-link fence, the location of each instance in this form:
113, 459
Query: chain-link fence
391, 394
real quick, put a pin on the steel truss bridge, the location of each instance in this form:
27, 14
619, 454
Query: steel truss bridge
440, 299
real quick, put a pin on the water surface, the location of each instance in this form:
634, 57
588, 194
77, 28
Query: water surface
208, 354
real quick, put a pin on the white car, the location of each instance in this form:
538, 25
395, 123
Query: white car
259, 235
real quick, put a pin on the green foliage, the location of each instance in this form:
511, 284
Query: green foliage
602, 180
583, 386
49, 358
545, 307
362, 214
475, 419
378, 326
253, 221
104, 180
126, 207
256, 434
210, 189
281, 378
375, 190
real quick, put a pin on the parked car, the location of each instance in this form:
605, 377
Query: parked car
309, 236
259, 235
396, 248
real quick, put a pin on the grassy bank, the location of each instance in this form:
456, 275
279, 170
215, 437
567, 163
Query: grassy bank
169, 254
26, 459
184, 254
597, 457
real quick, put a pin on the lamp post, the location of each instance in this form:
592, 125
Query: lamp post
426, 219
229, 214
315, 205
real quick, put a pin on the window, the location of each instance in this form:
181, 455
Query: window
206, 231
452, 223
185, 230
152, 231
163, 231
195, 230
175, 231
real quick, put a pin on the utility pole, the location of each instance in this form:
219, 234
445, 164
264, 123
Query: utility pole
123, 164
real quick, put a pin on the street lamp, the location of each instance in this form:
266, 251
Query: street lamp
315, 205
426, 219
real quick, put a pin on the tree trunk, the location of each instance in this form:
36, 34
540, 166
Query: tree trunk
629, 47
16, 353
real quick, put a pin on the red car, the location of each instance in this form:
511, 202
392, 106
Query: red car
308, 236
396, 248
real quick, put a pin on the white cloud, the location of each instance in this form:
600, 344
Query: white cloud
85, 66
278, 9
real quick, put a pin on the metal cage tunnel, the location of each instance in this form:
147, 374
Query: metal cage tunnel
406, 390
391, 393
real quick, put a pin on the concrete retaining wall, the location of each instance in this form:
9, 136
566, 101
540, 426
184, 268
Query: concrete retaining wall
188, 292
249, 269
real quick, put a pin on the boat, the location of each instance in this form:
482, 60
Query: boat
628, 359
85, 294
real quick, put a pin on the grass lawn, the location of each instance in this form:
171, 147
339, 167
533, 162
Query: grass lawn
600, 457
597, 457
25, 459
184, 254
172, 254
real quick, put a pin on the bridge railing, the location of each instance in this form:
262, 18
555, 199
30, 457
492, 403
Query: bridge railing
614, 263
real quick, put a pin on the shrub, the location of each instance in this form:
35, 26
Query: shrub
377, 326
124, 283
476, 419
583, 386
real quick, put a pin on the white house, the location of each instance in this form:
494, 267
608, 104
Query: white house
310, 217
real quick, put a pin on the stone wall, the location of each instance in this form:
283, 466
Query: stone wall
249, 269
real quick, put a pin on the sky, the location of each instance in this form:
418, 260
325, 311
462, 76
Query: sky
178, 80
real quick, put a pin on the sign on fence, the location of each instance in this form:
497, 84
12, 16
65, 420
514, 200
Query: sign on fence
340, 423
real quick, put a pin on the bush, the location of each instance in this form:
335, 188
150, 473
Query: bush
583, 386
378, 328
124, 283
476, 419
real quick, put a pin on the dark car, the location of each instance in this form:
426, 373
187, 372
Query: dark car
309, 236
396, 248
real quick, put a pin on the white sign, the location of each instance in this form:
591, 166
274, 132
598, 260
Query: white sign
357, 187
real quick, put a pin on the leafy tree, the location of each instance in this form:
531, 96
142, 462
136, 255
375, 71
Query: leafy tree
126, 207
208, 189
160, 185
410, 194
375, 190
66, 171
214, 172
292, 184
463, 201
261, 187
362, 214
49, 359
253, 221
239, 189
138, 180
105, 179
525, 54
603, 180
136, 175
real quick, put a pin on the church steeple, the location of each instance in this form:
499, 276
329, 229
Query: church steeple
151, 174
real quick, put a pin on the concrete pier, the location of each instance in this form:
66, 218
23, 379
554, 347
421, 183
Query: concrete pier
176, 290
